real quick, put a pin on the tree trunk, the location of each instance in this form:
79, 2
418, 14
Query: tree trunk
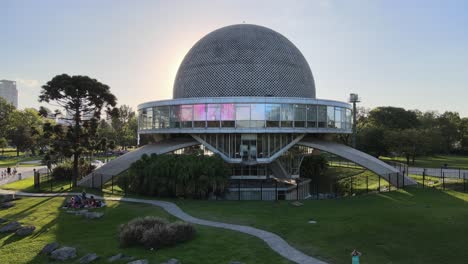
75, 169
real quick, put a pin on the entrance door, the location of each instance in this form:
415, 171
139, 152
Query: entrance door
248, 147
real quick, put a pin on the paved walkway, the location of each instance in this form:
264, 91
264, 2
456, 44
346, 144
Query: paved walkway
274, 241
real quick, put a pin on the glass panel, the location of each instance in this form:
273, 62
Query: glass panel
149, 118
228, 112
161, 117
299, 115
311, 116
287, 115
257, 115
186, 115
199, 112
272, 114
174, 121
338, 117
213, 115
331, 116
322, 116
199, 115
242, 115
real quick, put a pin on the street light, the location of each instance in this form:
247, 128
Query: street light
354, 98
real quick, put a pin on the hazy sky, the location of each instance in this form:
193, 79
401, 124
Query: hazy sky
412, 54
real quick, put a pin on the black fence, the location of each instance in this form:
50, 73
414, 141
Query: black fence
444, 178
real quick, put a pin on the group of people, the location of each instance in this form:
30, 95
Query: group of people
83, 201
8, 172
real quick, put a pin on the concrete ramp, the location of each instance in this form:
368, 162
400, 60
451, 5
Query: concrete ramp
123, 162
365, 160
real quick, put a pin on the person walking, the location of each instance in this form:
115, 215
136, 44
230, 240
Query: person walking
355, 256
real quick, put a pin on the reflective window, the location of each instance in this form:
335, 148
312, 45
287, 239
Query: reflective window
242, 115
322, 115
199, 115
174, 116
299, 115
228, 114
338, 117
213, 115
331, 116
186, 115
311, 116
257, 115
349, 122
287, 115
272, 114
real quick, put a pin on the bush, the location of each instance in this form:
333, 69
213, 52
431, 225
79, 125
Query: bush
169, 175
154, 232
64, 171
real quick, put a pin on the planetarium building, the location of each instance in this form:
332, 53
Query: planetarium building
246, 93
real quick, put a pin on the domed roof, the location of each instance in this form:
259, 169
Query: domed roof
244, 60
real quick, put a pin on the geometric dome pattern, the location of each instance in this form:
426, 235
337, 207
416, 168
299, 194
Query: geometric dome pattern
244, 60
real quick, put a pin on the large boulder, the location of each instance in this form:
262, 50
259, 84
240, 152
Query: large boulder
140, 261
63, 253
47, 249
172, 261
93, 215
10, 227
88, 258
25, 230
6, 198
7, 205
120, 257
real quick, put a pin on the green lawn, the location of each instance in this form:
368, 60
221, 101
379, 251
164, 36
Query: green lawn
100, 236
436, 161
412, 226
13, 161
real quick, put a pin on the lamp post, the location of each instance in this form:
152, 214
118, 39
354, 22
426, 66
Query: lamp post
354, 98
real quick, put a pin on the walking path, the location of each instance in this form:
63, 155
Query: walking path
274, 241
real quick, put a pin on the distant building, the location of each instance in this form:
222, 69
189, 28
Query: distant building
9, 92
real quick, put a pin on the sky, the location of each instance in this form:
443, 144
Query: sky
411, 54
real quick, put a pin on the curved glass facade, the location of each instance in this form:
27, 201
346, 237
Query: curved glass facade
244, 115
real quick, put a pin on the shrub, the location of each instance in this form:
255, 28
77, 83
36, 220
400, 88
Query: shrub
154, 232
64, 171
169, 175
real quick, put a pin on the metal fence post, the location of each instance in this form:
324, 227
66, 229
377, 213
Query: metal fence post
239, 191
379, 183
464, 182
261, 190
424, 177
443, 181
276, 190
389, 182
297, 190
367, 184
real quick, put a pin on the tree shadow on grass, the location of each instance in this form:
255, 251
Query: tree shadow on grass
13, 238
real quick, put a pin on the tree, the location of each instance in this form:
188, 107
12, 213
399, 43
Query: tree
125, 125
3, 144
25, 130
6, 109
83, 97
393, 118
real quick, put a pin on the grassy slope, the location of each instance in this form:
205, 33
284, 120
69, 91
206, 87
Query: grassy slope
100, 236
413, 226
437, 161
